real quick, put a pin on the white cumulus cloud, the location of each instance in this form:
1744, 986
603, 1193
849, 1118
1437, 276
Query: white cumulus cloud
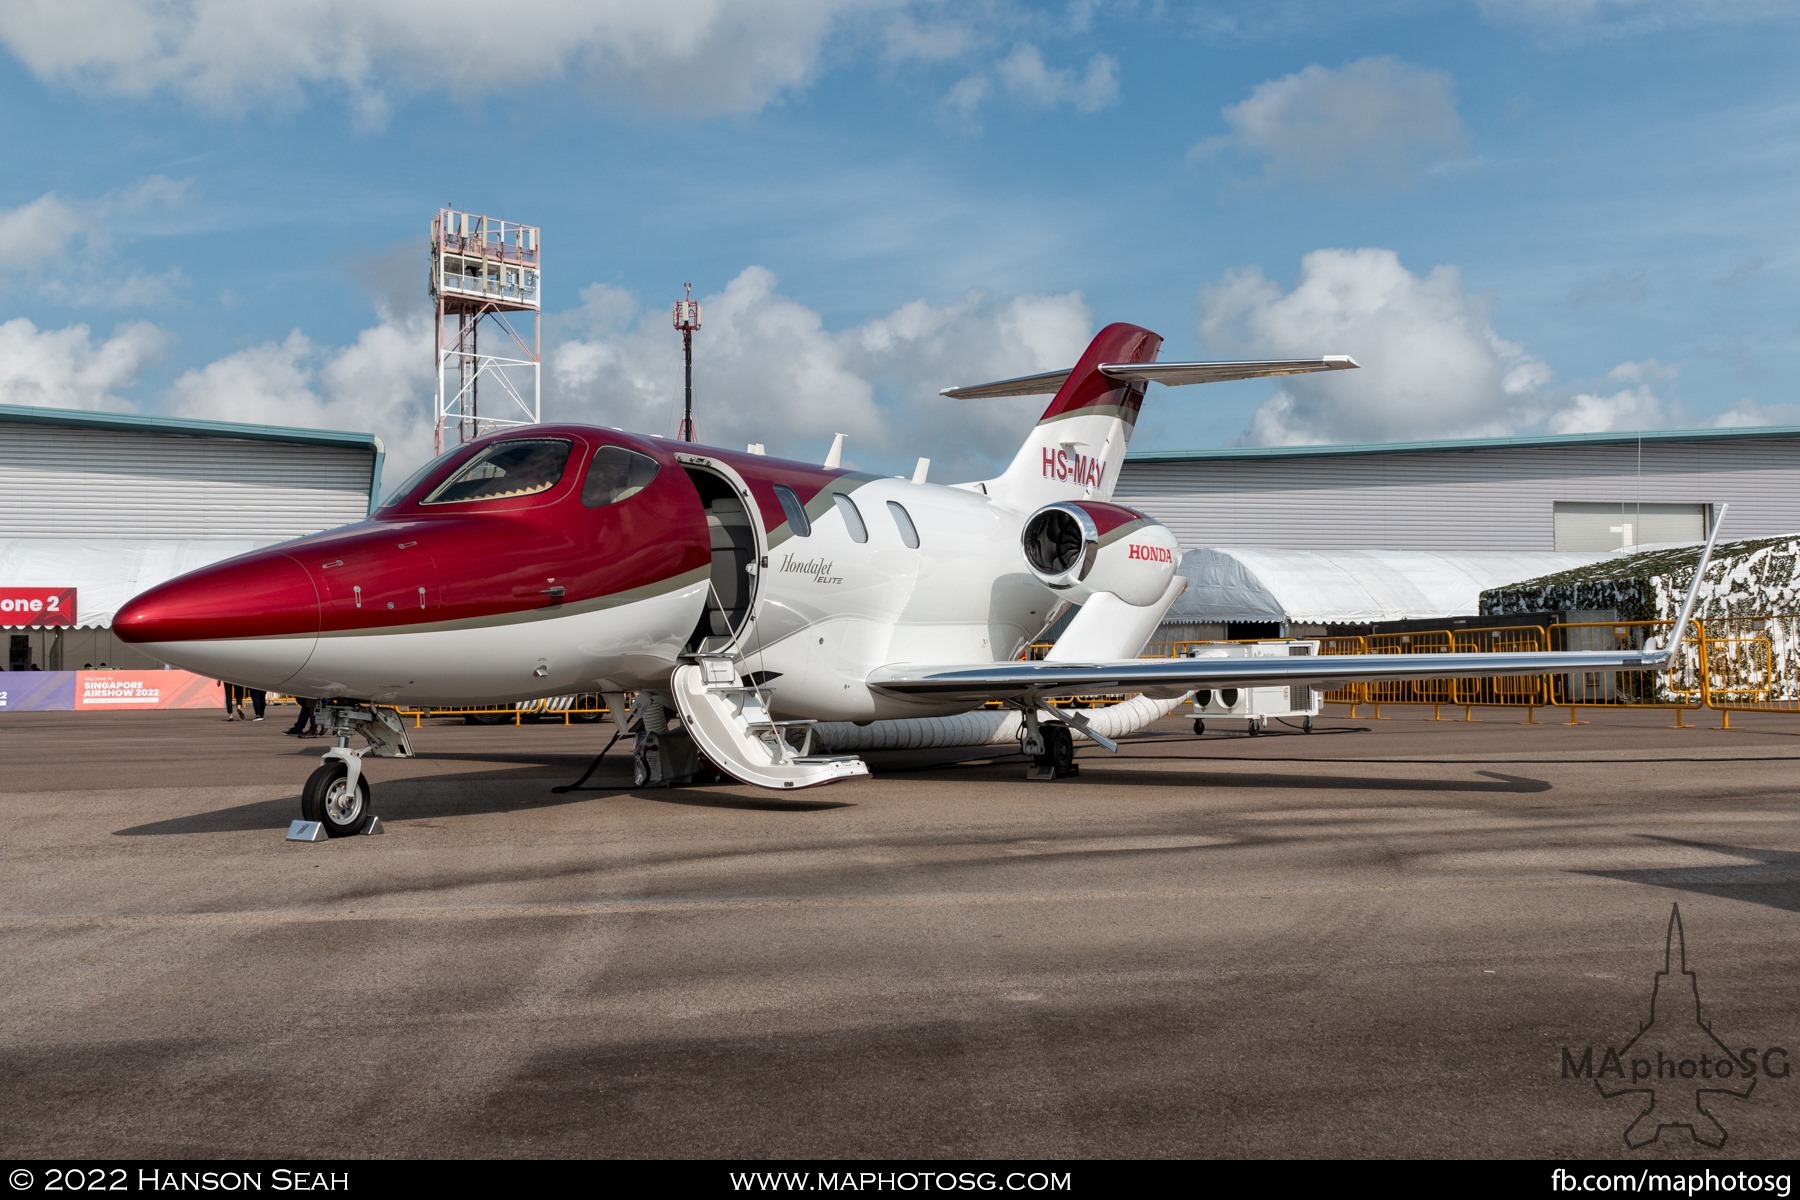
685, 57
767, 369
1026, 79
1377, 122
67, 248
919, 348
35, 233
68, 368
381, 383
1748, 412
1432, 365
1632, 408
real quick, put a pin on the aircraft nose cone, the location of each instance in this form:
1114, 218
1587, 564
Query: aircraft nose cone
257, 595
252, 619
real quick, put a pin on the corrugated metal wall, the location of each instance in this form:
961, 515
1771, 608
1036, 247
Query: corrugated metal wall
1489, 498
71, 482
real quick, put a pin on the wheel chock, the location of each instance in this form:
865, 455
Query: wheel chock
374, 827
306, 831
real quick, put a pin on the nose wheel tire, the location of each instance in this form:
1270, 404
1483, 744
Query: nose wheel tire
327, 799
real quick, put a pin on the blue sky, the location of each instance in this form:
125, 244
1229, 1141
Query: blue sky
1520, 215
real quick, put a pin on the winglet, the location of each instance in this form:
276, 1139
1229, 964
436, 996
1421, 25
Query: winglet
1693, 596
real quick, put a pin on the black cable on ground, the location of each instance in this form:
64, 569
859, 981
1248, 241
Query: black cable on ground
592, 767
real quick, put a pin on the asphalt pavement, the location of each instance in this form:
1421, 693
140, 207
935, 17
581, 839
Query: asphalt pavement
1379, 939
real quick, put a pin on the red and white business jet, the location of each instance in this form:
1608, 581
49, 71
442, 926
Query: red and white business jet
779, 610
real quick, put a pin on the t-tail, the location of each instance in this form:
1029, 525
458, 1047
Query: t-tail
1078, 445
1076, 448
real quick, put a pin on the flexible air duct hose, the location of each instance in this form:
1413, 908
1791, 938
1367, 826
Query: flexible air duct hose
984, 727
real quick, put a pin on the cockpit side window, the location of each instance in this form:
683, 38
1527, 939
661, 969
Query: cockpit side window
616, 474
505, 470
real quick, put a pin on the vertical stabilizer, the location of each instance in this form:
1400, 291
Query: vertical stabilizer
1075, 450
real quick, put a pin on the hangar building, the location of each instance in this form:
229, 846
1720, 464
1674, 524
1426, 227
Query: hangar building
1460, 512
96, 507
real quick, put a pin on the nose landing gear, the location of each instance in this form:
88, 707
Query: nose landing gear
336, 795
331, 799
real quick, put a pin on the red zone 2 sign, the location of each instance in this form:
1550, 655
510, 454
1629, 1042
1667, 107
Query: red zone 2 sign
37, 606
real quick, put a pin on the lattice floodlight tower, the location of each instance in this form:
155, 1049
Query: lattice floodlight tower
484, 272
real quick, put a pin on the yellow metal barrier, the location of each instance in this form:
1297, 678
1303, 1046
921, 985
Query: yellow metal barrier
1727, 664
1528, 691
1352, 694
1681, 689
1753, 665
1411, 691
587, 706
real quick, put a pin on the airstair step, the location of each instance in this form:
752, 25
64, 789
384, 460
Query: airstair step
731, 725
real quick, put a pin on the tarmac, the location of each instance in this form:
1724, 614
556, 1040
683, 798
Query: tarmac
1379, 939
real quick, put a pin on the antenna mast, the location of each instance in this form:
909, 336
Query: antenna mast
687, 319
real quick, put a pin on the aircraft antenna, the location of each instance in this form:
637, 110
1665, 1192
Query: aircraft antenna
687, 319
484, 271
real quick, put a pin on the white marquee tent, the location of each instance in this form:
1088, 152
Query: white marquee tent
1327, 587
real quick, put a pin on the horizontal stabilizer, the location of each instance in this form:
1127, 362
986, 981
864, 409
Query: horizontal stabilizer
1172, 374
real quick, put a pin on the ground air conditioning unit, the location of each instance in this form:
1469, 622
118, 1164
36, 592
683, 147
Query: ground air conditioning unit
1256, 705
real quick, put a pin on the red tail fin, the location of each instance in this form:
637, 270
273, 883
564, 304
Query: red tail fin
1087, 390
1076, 448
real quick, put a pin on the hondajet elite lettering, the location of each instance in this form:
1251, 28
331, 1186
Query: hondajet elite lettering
764, 613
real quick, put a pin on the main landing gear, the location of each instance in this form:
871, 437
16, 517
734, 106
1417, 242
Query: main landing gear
336, 795
1051, 746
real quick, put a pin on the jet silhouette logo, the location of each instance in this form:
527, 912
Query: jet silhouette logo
1675, 1062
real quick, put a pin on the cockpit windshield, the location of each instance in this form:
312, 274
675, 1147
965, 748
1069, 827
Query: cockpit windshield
504, 470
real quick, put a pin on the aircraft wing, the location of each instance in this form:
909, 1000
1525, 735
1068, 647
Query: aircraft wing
1033, 682
1172, 374
1168, 677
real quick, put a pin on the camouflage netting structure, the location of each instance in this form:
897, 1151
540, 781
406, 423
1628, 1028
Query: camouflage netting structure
1749, 601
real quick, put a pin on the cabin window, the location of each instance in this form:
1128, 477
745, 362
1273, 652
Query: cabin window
909, 533
506, 470
795, 511
852, 517
616, 474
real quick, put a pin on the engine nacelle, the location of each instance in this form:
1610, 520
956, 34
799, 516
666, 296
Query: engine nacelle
1081, 547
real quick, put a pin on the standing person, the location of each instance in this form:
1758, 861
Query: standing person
234, 703
258, 698
306, 724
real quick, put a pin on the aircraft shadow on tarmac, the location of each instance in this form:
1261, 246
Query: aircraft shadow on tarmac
419, 797
433, 796
428, 797
1768, 877
1491, 781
